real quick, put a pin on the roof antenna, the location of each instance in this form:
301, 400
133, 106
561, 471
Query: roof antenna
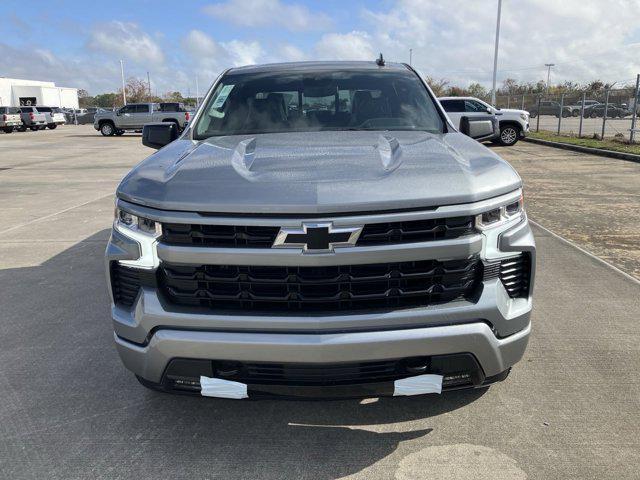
380, 61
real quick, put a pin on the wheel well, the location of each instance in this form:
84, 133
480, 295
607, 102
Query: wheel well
511, 123
102, 122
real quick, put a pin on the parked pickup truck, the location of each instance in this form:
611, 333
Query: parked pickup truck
54, 116
9, 119
512, 124
32, 118
134, 116
320, 229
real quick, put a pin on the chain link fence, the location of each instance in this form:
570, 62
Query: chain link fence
609, 113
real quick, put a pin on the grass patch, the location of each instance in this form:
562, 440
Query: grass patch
613, 144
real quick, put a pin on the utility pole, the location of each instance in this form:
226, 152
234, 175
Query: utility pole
635, 109
197, 92
124, 94
149, 84
495, 54
549, 65
410, 55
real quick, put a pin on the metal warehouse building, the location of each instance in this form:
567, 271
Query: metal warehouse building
15, 92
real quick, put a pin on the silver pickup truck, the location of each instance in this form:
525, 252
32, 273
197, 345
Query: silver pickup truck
53, 115
134, 116
320, 229
32, 118
9, 119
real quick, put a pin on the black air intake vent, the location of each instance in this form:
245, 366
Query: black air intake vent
125, 283
515, 274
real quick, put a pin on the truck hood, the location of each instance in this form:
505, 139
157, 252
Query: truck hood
318, 172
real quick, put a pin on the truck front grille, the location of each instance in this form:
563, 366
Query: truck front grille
244, 236
309, 289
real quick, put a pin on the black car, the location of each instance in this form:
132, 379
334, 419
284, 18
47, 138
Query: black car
613, 111
549, 108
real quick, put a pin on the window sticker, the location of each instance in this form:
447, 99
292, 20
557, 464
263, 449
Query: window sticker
222, 97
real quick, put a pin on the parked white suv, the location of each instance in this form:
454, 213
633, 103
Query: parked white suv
514, 124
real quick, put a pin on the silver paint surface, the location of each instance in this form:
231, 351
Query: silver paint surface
318, 172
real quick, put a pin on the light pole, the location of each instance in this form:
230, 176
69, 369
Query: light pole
410, 55
124, 95
495, 54
549, 65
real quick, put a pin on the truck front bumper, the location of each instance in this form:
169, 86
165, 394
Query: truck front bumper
492, 329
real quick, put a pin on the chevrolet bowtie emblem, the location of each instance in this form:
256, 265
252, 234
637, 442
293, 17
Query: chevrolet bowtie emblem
317, 237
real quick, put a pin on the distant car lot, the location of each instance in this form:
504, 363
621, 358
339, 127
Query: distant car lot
70, 409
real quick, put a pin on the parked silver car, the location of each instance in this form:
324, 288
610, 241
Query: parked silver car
320, 229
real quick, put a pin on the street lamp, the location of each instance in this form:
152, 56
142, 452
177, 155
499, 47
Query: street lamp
495, 55
549, 65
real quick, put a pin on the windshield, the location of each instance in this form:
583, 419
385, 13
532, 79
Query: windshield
253, 103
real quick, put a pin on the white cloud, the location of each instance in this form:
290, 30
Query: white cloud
268, 13
345, 46
126, 40
455, 39
243, 53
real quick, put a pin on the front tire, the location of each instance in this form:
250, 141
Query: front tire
34, 129
509, 135
8, 129
52, 126
107, 129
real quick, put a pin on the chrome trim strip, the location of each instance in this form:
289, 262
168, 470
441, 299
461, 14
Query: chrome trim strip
438, 249
464, 209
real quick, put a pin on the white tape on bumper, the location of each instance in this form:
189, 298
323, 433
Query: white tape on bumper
216, 387
418, 385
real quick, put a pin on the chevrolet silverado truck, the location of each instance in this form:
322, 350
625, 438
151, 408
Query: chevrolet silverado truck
9, 119
54, 116
512, 124
134, 116
320, 229
31, 118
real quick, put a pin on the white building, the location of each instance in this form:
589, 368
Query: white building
15, 92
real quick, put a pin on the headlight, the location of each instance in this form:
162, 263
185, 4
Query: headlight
500, 215
132, 222
145, 232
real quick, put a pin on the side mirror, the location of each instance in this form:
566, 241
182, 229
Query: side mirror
489, 111
157, 135
118, 113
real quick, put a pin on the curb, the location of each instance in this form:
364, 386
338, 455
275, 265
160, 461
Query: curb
593, 151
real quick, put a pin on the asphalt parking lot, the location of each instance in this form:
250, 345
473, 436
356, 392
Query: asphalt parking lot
69, 410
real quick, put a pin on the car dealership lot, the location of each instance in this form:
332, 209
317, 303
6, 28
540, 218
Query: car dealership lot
68, 408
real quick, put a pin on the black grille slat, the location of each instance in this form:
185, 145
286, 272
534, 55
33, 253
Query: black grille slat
416, 231
125, 284
326, 374
244, 236
515, 274
417, 283
229, 236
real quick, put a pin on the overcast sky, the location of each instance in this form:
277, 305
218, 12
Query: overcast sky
79, 43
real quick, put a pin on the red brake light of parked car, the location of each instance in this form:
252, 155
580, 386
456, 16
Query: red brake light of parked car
31, 115
186, 116
4, 117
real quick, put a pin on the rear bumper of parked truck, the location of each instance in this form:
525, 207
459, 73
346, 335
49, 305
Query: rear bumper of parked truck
471, 342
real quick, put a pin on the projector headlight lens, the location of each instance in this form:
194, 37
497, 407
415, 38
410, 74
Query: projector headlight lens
499, 216
132, 222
